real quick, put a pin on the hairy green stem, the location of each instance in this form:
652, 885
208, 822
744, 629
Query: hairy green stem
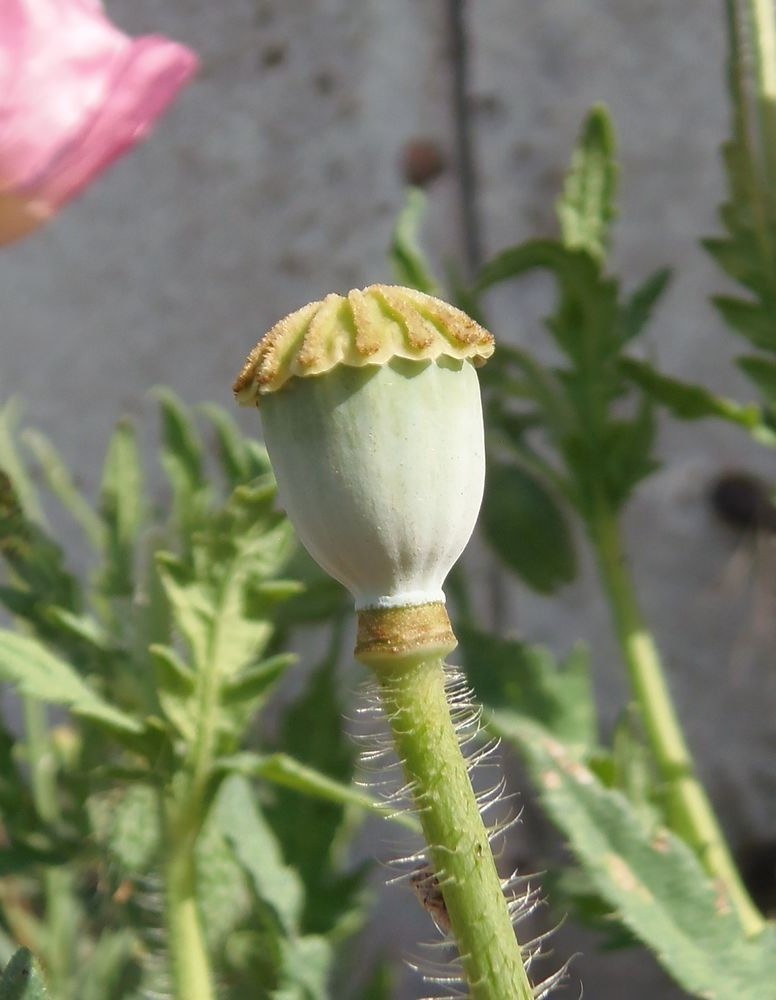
415, 701
691, 812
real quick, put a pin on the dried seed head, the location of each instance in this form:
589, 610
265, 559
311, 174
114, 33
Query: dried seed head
365, 327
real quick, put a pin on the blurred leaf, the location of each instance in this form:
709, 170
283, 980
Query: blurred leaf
41, 675
515, 680
651, 880
284, 770
121, 508
410, 266
527, 528
22, 979
748, 252
242, 459
61, 483
255, 682
381, 985
125, 821
687, 400
306, 964
308, 825
257, 849
634, 768
35, 559
183, 461
587, 205
636, 311
112, 971
14, 467
762, 371
223, 895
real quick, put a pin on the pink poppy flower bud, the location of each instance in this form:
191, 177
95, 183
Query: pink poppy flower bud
75, 95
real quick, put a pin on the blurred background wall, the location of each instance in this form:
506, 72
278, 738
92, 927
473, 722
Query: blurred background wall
277, 178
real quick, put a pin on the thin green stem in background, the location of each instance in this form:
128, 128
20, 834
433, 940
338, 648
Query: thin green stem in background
415, 701
691, 812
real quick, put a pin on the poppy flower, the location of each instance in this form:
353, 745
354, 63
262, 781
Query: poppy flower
76, 93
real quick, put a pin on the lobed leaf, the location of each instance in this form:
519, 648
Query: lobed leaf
40, 674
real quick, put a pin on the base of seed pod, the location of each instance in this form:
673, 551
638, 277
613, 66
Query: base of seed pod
390, 636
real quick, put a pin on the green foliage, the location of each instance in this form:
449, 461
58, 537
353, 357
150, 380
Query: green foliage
39, 674
747, 253
685, 400
163, 653
525, 525
22, 979
635, 872
516, 680
301, 961
587, 206
600, 427
651, 880
410, 267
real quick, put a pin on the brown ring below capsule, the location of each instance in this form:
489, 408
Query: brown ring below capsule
388, 636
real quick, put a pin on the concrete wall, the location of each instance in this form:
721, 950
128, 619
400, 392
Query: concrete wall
277, 178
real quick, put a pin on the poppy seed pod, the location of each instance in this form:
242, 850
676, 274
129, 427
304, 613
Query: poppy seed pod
372, 418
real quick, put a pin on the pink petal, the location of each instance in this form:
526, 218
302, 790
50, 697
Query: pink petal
75, 94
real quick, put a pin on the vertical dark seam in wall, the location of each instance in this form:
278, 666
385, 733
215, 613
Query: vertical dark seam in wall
470, 217
464, 141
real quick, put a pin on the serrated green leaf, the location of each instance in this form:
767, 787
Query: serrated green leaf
257, 849
651, 880
515, 680
39, 674
22, 979
410, 266
587, 206
527, 528
121, 509
687, 400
